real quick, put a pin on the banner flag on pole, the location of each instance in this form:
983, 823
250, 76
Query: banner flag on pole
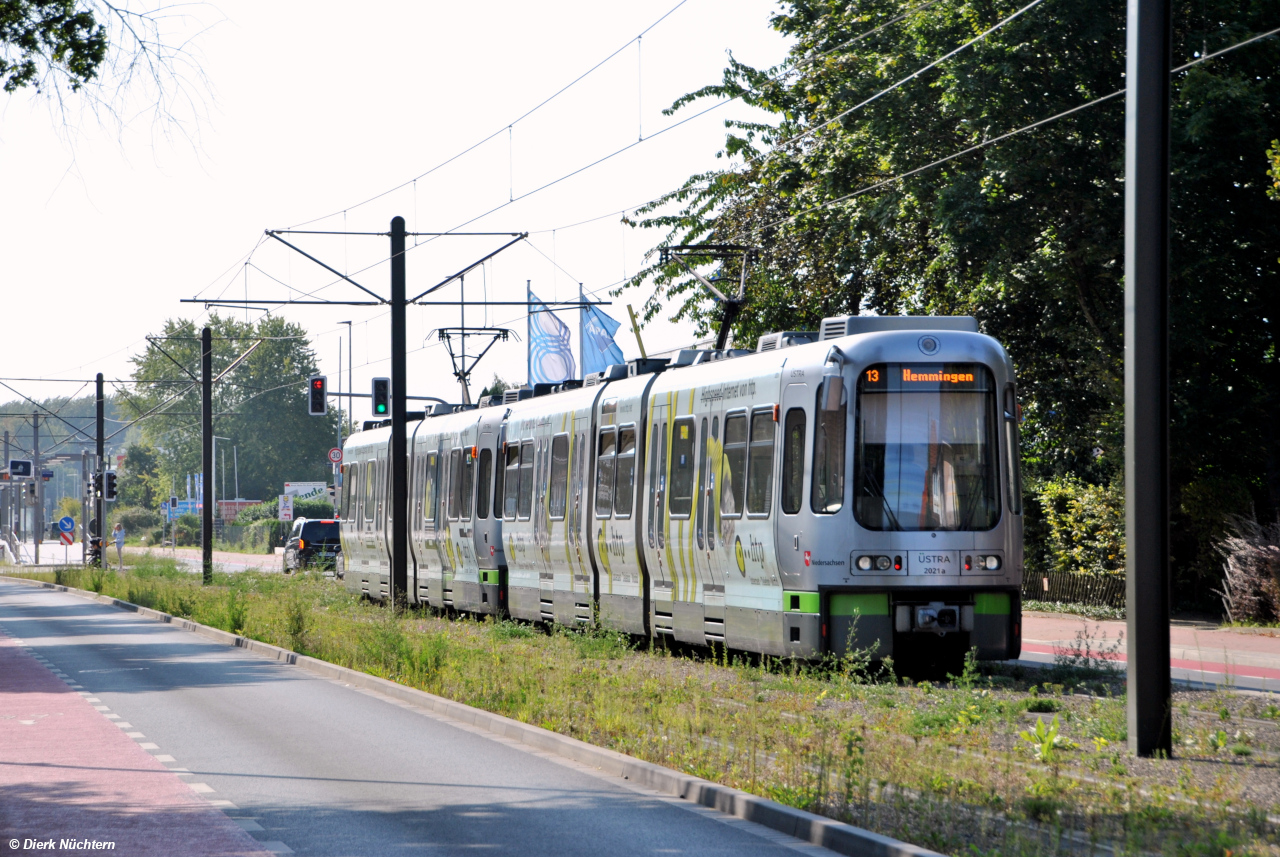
550, 357
598, 347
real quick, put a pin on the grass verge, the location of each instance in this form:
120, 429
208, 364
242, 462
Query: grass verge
995, 761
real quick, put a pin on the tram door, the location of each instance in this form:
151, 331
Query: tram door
656, 506
794, 427
707, 552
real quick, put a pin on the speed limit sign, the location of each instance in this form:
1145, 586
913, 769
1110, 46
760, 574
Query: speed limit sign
335, 455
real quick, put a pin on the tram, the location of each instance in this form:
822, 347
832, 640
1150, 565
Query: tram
855, 487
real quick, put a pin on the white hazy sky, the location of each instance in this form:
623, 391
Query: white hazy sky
317, 106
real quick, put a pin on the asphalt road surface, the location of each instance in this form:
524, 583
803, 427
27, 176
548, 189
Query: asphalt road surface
313, 766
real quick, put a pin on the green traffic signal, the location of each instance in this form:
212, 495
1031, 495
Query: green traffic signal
382, 409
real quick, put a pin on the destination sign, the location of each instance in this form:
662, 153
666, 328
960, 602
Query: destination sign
924, 377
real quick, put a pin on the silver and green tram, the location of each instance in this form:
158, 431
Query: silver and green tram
854, 487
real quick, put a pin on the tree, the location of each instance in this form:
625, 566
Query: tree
115, 57
261, 405
1027, 234
497, 388
139, 482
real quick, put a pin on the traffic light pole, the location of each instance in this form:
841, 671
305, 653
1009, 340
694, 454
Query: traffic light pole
399, 468
101, 418
206, 444
1146, 376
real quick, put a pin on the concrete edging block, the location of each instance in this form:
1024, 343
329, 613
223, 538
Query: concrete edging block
809, 827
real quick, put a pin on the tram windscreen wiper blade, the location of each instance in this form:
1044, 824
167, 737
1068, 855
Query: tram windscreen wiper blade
870, 482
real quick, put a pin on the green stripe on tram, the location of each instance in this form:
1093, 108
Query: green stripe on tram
857, 604
801, 602
992, 604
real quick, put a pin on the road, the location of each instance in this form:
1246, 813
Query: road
312, 766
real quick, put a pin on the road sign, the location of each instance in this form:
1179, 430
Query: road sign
20, 468
67, 524
66, 538
286, 507
335, 455
46, 475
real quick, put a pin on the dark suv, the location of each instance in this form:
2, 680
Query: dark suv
312, 543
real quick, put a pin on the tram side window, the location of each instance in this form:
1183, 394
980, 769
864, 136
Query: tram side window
455, 483
760, 477
429, 492
826, 495
468, 479
733, 472
526, 480
682, 468
793, 460
559, 476
624, 494
511, 481
483, 477
607, 449
370, 491
1013, 456
349, 489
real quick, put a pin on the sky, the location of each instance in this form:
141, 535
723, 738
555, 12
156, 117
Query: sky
310, 110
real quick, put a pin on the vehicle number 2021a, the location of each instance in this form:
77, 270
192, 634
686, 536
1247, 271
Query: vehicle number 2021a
935, 563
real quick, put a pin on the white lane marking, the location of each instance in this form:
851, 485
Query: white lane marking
130, 734
159, 757
93, 699
248, 824
149, 746
112, 716
223, 805
102, 707
201, 788
276, 847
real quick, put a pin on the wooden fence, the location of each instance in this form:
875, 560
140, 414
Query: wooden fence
1097, 590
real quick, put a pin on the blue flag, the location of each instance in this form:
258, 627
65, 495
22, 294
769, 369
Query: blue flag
550, 357
599, 351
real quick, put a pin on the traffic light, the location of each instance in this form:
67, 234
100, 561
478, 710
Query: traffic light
20, 468
381, 397
95, 485
318, 395
109, 484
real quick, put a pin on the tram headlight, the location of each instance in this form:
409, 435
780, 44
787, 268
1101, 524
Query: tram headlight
991, 563
883, 563
864, 563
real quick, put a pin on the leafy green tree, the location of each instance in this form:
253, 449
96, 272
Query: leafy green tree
1026, 234
139, 483
261, 405
41, 37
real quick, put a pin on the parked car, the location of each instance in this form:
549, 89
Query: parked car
312, 543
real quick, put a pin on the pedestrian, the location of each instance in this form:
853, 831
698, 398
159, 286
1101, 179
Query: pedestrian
118, 532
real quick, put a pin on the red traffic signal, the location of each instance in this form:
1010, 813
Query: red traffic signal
318, 395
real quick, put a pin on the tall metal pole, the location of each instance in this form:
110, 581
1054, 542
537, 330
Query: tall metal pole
351, 379
1146, 375
37, 512
6, 517
84, 507
399, 468
100, 418
206, 443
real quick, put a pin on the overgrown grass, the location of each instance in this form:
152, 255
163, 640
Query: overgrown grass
1089, 611
994, 761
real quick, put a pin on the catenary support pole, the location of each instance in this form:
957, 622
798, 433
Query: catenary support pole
399, 466
100, 419
1146, 375
37, 511
206, 444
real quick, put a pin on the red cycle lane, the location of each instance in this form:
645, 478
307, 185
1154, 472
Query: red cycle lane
72, 781
1218, 654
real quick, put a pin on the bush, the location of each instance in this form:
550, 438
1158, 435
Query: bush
135, 519
1082, 527
270, 510
1251, 583
187, 530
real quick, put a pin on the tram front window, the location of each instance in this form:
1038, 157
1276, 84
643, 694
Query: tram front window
926, 448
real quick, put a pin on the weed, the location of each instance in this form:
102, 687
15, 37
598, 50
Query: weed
1046, 739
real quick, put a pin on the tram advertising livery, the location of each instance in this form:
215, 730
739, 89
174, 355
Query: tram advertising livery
854, 487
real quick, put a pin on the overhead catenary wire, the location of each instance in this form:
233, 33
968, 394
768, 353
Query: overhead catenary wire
991, 142
507, 125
